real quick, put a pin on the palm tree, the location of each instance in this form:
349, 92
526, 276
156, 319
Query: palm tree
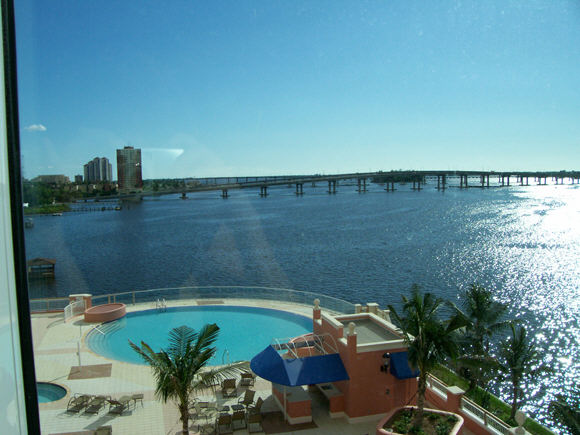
519, 362
567, 413
430, 340
181, 370
484, 319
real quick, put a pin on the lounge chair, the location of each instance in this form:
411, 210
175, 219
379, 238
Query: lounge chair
96, 404
104, 430
239, 420
119, 406
229, 388
248, 379
255, 419
78, 402
224, 424
248, 398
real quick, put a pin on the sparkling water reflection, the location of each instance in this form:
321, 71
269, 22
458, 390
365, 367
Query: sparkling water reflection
522, 242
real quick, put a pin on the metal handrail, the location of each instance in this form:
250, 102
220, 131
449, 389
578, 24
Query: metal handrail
207, 292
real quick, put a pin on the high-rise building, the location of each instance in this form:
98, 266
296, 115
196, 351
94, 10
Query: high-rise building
129, 175
97, 170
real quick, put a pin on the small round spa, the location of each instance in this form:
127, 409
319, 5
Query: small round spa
48, 392
105, 313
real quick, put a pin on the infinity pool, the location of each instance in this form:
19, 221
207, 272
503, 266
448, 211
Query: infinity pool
244, 331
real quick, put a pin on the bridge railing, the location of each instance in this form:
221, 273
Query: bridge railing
205, 293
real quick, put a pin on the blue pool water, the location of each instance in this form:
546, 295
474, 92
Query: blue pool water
244, 331
49, 392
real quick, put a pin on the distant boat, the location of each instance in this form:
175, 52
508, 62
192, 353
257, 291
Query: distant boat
57, 214
28, 223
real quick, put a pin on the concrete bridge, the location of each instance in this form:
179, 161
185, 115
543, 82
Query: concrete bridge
440, 179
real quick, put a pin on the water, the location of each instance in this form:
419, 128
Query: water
244, 331
521, 242
49, 392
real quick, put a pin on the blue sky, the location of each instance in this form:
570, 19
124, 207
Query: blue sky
287, 87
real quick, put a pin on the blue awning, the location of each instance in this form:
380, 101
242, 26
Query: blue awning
400, 366
318, 369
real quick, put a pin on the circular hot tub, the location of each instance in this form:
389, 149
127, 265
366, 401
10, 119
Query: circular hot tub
48, 392
105, 313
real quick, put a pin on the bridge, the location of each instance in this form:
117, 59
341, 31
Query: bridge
419, 179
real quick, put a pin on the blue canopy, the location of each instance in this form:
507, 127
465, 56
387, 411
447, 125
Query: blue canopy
318, 369
400, 366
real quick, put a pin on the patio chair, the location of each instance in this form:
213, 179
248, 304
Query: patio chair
208, 410
248, 398
207, 429
78, 402
254, 419
257, 408
96, 404
239, 420
248, 379
229, 388
224, 424
196, 414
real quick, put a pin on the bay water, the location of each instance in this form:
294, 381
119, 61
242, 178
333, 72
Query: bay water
521, 242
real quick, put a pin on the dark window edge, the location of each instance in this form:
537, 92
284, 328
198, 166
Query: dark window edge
15, 179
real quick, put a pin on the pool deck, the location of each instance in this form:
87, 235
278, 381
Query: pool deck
55, 354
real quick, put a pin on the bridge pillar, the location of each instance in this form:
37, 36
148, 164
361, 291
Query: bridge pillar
443, 181
263, 191
482, 179
362, 188
314, 184
508, 180
224, 193
331, 186
299, 189
390, 186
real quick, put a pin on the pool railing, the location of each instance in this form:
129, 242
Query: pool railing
203, 292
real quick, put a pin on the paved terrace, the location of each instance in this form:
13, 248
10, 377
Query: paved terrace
55, 348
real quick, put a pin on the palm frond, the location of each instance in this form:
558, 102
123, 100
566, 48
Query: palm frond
179, 340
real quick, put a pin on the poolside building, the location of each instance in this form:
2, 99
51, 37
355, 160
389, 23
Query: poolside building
357, 361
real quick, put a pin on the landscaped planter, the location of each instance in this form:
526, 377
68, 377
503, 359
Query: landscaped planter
454, 430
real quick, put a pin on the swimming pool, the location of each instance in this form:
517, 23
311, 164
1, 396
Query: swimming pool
48, 392
244, 331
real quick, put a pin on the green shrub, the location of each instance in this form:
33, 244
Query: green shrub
442, 429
